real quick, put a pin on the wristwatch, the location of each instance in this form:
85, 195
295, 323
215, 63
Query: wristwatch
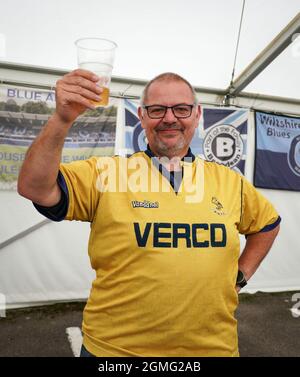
241, 280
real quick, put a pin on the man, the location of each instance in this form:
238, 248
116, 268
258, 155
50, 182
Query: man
165, 248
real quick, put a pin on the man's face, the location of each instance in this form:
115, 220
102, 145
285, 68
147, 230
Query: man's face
169, 136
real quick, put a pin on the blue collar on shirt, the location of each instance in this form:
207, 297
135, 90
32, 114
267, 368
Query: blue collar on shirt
190, 157
175, 178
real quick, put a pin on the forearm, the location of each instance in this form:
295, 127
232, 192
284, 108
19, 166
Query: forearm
256, 248
37, 178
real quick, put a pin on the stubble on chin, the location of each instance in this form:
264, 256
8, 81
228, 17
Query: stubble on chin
167, 150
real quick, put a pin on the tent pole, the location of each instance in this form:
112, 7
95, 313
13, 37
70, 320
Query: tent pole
271, 51
24, 233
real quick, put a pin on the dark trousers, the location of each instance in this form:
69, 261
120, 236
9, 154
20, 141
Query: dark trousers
85, 353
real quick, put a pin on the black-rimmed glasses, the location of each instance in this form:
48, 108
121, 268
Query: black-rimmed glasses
159, 111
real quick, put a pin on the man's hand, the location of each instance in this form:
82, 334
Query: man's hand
74, 93
237, 288
38, 175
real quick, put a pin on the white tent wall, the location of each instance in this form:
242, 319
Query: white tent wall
51, 263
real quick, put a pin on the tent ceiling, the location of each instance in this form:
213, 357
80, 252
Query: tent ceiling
196, 39
266, 57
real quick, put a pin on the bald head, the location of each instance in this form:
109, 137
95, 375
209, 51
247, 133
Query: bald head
166, 77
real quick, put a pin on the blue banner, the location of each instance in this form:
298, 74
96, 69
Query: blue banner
277, 158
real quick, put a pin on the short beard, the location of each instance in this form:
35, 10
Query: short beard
167, 151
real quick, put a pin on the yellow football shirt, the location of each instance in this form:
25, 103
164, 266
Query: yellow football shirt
166, 263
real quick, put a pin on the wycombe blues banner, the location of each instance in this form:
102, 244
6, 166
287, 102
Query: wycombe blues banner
277, 159
220, 137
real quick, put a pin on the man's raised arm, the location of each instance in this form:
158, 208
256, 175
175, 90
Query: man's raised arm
37, 180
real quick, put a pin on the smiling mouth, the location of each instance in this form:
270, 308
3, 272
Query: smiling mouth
170, 130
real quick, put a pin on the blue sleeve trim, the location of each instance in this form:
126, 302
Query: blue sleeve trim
59, 211
63, 184
269, 227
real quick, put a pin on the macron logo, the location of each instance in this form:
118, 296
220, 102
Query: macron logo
144, 204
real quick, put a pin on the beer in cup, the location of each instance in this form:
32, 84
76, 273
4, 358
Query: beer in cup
97, 55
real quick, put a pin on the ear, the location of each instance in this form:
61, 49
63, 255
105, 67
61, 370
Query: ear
140, 115
198, 114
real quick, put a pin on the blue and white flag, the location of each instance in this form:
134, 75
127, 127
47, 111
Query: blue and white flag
135, 137
277, 158
223, 136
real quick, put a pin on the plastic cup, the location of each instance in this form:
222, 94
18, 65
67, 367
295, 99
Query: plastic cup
97, 55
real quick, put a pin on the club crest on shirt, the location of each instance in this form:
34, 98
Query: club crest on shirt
217, 207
